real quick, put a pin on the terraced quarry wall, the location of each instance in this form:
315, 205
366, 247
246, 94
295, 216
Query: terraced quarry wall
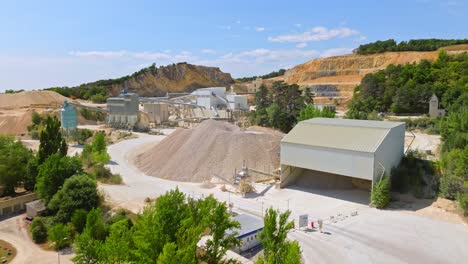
334, 79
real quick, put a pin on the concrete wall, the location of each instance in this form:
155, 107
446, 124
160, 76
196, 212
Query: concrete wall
336, 161
15, 205
157, 113
289, 175
390, 151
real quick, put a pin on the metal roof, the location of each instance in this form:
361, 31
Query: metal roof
37, 205
346, 134
248, 224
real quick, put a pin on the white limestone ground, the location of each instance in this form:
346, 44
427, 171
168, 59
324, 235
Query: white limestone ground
372, 236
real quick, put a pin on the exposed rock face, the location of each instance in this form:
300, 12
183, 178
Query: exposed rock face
181, 77
336, 77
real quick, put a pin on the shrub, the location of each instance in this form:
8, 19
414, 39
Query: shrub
38, 230
60, 235
78, 219
450, 186
103, 174
380, 196
463, 202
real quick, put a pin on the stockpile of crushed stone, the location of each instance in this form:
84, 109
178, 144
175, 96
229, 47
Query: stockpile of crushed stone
211, 148
31, 99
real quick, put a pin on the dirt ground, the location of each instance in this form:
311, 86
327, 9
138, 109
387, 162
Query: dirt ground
7, 251
14, 231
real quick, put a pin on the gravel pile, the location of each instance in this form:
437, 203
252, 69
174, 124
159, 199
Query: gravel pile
213, 148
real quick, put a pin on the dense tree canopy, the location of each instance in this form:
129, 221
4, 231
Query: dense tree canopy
51, 140
78, 192
278, 107
411, 45
266, 76
404, 89
13, 157
166, 232
53, 173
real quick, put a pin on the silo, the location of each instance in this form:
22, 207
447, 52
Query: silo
68, 117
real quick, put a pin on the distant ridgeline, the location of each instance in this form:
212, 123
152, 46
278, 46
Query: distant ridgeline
151, 81
266, 76
98, 91
411, 45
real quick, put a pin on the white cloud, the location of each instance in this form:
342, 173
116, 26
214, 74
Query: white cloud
208, 51
150, 55
298, 25
361, 39
105, 54
316, 34
335, 52
301, 45
86, 66
259, 29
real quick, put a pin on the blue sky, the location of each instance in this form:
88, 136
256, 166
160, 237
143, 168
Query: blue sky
58, 43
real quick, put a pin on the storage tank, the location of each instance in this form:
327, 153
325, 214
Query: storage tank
68, 117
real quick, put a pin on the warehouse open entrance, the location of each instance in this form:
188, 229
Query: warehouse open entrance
326, 184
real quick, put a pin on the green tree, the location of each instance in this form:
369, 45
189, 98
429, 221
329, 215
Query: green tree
78, 220
86, 249
273, 237
450, 186
51, 140
380, 195
311, 112
38, 230
13, 157
95, 225
53, 173
169, 255
78, 192
117, 245
32, 169
158, 225
262, 100
60, 235
220, 223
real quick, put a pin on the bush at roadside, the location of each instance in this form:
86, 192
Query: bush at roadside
38, 230
380, 196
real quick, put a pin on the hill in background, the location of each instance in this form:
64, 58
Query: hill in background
151, 81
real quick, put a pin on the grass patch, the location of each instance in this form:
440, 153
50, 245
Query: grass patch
104, 175
7, 251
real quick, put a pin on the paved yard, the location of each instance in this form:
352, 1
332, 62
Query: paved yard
372, 236
13, 230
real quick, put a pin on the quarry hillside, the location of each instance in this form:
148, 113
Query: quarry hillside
336, 77
174, 78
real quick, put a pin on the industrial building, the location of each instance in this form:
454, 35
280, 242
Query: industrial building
35, 208
434, 110
327, 150
157, 112
216, 98
237, 102
123, 110
248, 233
211, 97
68, 117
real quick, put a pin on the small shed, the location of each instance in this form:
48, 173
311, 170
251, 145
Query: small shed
249, 231
34, 208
